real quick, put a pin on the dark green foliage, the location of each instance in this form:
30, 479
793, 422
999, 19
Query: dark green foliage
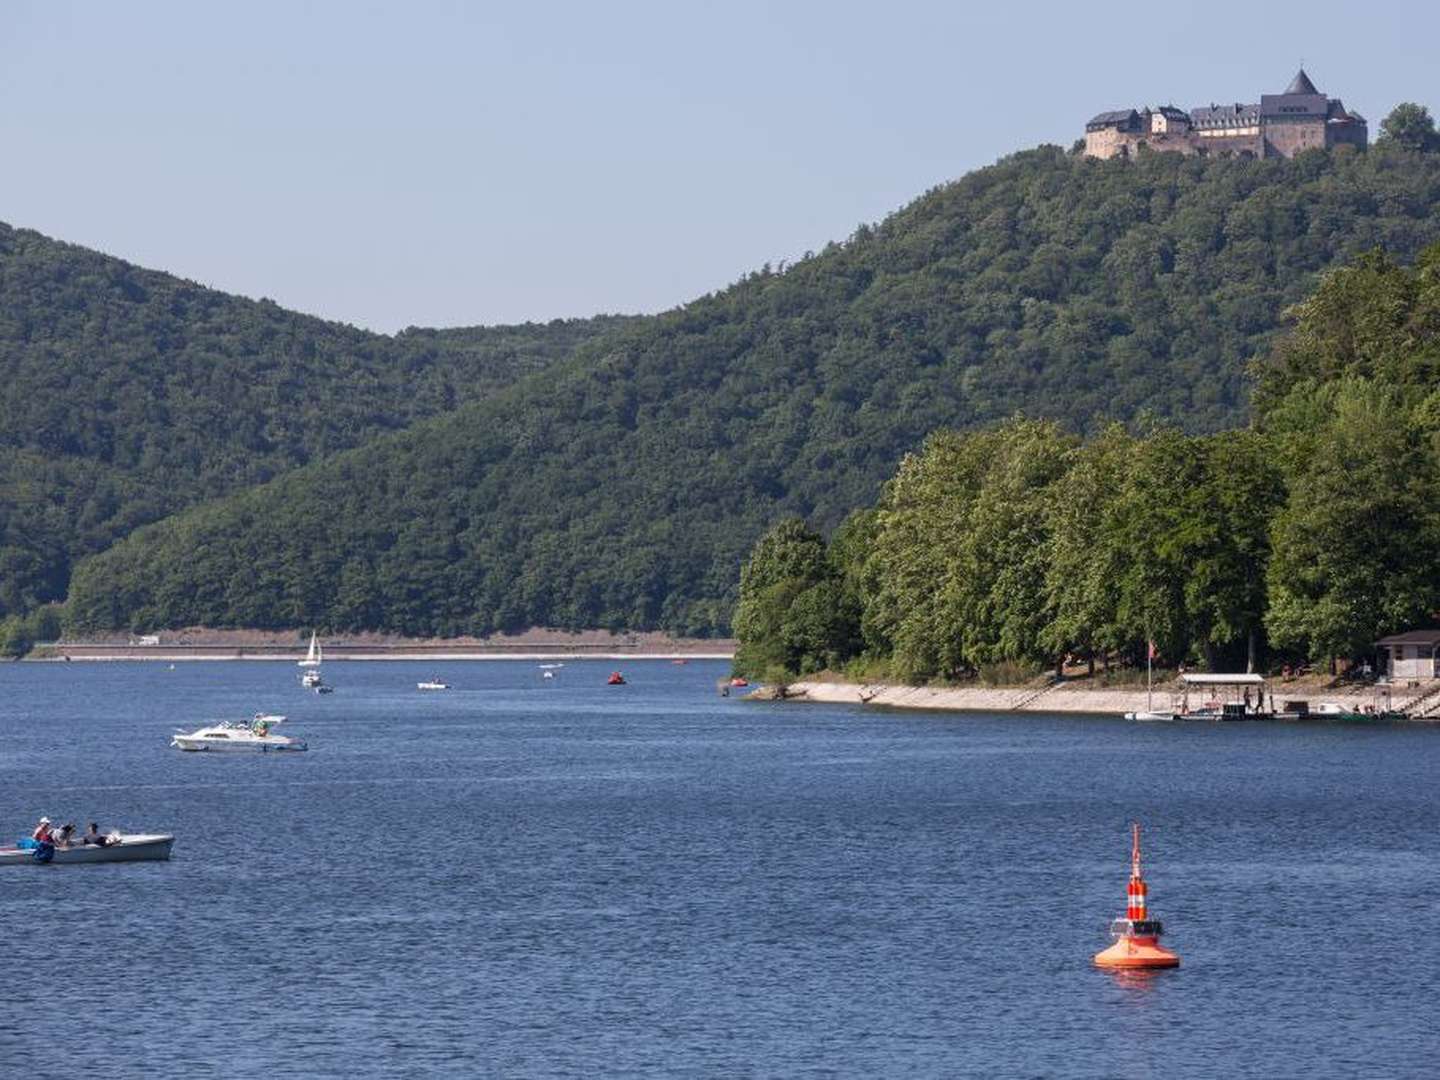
1358, 541
1409, 125
19, 633
1320, 524
623, 487
795, 613
126, 395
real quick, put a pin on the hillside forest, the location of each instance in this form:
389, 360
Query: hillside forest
174, 457
1307, 534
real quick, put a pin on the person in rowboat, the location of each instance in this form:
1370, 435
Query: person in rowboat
92, 836
42, 833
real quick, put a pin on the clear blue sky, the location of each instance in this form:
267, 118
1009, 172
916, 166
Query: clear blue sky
442, 164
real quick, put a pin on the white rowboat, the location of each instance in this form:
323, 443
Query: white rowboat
134, 847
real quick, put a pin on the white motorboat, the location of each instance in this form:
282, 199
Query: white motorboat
311, 679
234, 736
118, 847
1148, 715
432, 684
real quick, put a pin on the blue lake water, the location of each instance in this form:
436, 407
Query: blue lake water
558, 878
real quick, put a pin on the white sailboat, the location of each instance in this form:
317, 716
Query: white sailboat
311, 663
314, 655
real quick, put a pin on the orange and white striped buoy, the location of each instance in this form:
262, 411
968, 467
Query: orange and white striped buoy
1137, 936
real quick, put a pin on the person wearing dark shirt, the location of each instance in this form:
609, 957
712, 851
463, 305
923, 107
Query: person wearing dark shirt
92, 836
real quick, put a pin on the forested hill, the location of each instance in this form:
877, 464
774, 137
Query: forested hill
623, 487
127, 394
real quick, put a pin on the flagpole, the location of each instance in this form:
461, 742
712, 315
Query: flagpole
1149, 659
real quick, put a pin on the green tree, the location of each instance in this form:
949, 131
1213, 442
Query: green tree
1409, 125
959, 556
795, 614
1225, 587
1085, 554
1356, 544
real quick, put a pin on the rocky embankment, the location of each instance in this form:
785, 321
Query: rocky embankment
1064, 697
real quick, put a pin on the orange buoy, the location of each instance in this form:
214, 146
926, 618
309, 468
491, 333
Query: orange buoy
1137, 936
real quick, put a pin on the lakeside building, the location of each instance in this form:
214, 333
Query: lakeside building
1411, 657
1279, 125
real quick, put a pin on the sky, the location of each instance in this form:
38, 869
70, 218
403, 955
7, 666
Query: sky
423, 163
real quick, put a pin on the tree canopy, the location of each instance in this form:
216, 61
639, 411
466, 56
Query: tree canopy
128, 395
1409, 125
1316, 528
622, 486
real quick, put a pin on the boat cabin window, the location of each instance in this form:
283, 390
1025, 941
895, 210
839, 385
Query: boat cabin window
218, 735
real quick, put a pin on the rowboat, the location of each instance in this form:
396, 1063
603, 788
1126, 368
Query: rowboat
127, 847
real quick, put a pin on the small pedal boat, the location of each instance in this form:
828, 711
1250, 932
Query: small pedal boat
121, 847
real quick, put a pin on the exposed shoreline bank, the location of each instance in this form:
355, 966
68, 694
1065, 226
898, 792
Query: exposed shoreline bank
1060, 698
201, 644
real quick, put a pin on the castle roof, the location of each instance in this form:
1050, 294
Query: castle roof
1294, 106
1117, 116
1301, 84
1225, 115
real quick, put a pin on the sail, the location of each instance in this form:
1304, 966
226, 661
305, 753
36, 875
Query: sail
312, 657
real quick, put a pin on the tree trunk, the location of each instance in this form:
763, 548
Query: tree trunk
1251, 645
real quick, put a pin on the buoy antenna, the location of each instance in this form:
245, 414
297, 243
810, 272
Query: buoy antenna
1135, 849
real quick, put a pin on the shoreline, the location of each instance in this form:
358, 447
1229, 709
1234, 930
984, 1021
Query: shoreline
1060, 698
200, 644
232, 655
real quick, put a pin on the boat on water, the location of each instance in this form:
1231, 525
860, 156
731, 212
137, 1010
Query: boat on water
616, 679
234, 736
314, 655
432, 684
1224, 697
739, 682
311, 678
118, 847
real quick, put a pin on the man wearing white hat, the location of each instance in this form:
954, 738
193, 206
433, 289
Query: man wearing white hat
42, 832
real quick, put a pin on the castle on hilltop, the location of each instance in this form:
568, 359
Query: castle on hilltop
1281, 125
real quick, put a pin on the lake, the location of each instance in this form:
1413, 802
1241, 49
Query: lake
526, 877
